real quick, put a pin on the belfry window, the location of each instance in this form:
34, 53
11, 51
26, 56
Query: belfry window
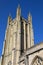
22, 38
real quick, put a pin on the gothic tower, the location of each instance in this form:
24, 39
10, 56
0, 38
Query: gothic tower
18, 38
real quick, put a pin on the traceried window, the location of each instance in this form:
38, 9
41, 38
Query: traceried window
9, 63
37, 61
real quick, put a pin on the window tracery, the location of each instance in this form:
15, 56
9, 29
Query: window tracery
37, 61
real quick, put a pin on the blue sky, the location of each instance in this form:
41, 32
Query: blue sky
35, 7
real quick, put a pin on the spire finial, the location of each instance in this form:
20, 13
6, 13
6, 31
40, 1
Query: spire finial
18, 5
18, 11
9, 18
9, 14
29, 17
29, 14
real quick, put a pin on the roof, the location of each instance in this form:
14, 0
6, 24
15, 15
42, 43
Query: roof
32, 50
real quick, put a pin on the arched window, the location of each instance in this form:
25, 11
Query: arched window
37, 61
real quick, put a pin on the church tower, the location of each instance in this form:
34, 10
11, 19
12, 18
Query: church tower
18, 38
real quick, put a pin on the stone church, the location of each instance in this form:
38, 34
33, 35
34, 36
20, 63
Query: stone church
19, 48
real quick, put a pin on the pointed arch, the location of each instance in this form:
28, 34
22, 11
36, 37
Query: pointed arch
35, 58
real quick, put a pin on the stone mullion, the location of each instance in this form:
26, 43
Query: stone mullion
26, 60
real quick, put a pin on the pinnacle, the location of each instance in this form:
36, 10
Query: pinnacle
29, 14
18, 5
